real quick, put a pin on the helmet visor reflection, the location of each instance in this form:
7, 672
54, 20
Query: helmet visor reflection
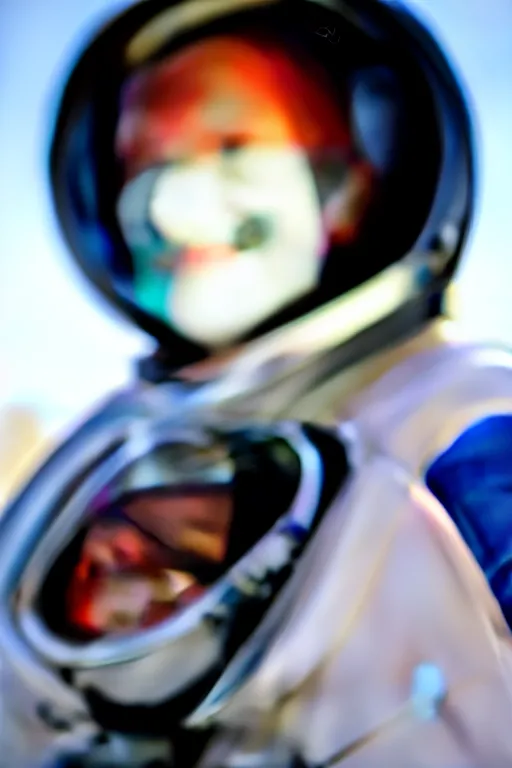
147, 557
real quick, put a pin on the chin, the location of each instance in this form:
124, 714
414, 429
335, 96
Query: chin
217, 307
207, 323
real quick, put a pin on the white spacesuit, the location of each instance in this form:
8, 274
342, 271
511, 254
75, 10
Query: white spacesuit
288, 545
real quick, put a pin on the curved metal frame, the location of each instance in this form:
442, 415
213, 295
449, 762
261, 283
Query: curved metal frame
271, 552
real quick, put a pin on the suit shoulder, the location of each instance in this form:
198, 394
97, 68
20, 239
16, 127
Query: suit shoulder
422, 405
472, 479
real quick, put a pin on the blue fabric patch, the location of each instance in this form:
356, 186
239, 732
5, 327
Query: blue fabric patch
473, 482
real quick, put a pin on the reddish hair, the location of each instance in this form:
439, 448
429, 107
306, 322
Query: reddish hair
306, 110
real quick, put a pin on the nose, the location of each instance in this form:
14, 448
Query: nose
252, 232
190, 204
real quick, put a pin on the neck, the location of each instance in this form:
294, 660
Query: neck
299, 392
263, 377
208, 370
331, 326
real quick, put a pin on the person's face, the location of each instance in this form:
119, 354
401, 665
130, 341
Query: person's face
136, 572
220, 208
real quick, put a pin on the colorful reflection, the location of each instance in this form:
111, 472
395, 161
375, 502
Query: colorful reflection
143, 561
223, 208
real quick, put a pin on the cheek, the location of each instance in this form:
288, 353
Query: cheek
151, 287
301, 237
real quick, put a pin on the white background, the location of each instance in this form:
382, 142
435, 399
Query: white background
59, 349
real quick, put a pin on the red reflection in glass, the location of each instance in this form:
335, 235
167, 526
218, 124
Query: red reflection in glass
227, 90
131, 576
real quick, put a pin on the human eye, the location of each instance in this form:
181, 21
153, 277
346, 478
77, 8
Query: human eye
234, 143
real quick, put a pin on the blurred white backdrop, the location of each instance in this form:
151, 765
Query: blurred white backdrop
60, 349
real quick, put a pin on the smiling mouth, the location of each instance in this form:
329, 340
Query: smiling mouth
252, 233
194, 257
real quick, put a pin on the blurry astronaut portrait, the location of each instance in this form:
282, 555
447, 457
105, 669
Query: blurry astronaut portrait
239, 171
227, 175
